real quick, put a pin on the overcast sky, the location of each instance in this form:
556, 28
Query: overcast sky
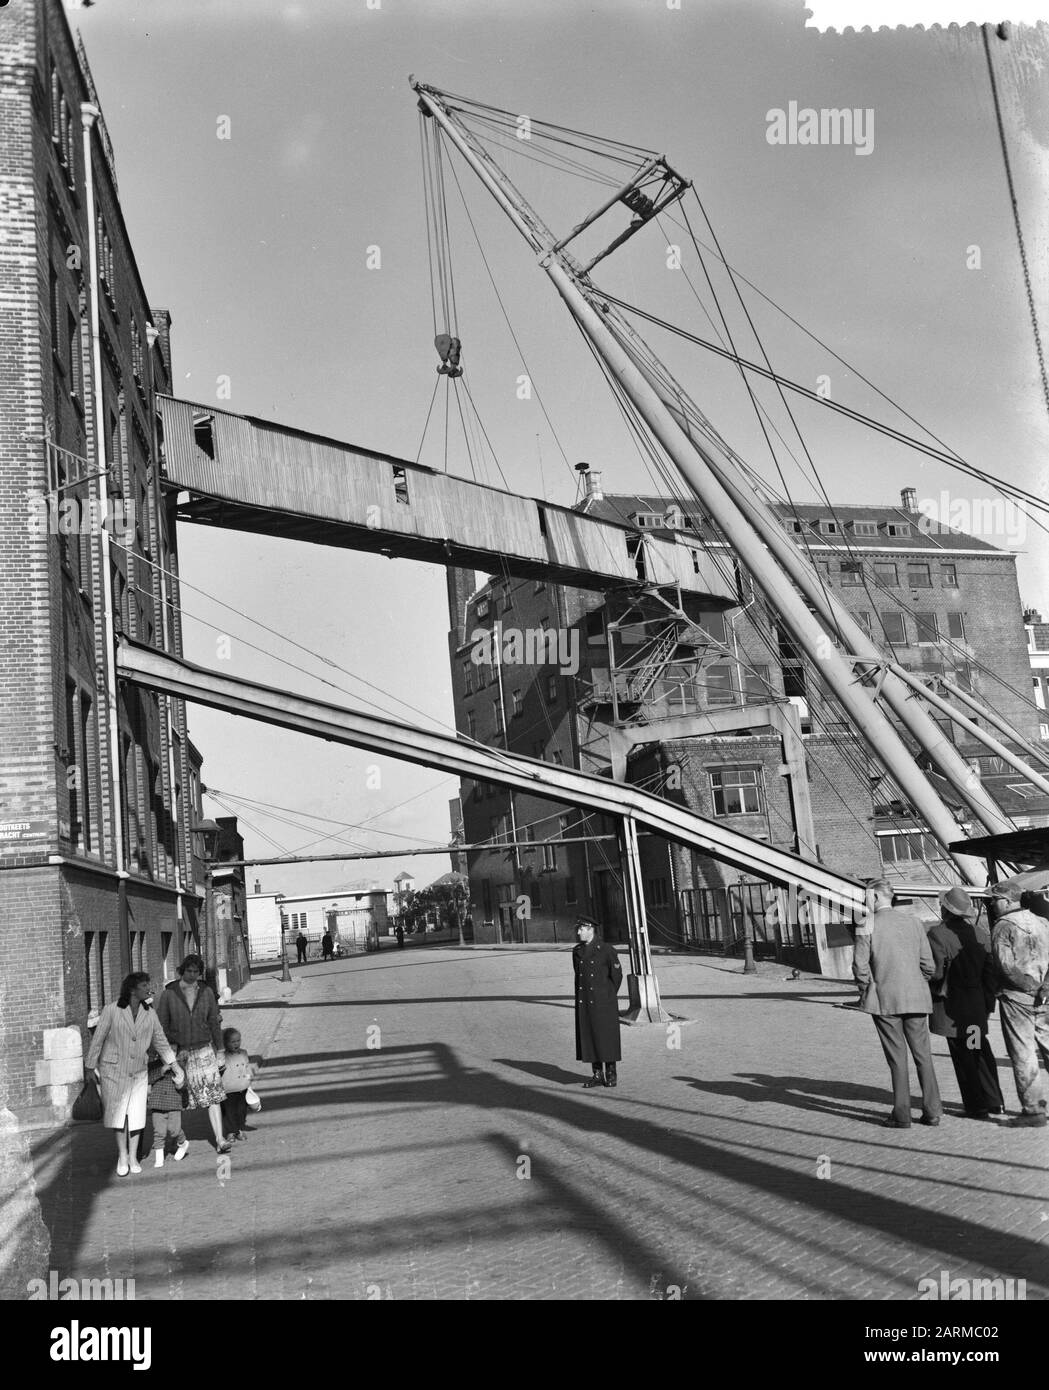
258, 244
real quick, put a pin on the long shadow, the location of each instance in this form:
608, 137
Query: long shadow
67, 1196
545, 1071
804, 1093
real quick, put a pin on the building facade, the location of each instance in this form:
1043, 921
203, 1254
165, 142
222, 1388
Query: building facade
97, 869
690, 702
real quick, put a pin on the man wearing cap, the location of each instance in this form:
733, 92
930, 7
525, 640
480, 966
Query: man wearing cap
598, 976
1020, 944
892, 963
962, 998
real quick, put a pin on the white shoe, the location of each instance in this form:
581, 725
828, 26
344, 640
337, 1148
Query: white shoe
182, 1151
158, 1158
122, 1169
136, 1167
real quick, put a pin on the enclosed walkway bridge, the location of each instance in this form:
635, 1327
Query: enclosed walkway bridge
252, 475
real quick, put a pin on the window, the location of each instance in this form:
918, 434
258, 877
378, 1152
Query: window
898, 528
570, 896
497, 721
500, 830
851, 574
539, 750
1043, 730
73, 353
865, 528
885, 572
949, 574
552, 690
56, 314
482, 608
471, 723
549, 855
713, 624
867, 622
736, 791
518, 700
894, 625
956, 627
95, 968
74, 780
595, 626
829, 528
468, 677
400, 486
717, 681
297, 921
756, 686
797, 527
87, 762
928, 627
824, 569
529, 835
657, 892
919, 575
903, 847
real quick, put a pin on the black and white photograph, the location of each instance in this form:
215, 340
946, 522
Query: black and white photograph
524, 667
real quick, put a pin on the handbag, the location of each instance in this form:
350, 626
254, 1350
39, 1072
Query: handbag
87, 1108
252, 1097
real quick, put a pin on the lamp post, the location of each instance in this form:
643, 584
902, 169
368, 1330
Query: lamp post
285, 968
209, 832
749, 968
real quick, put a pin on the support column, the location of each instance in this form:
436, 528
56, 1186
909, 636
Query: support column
642, 986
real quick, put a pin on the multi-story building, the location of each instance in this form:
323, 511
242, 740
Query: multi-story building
718, 708
97, 868
1037, 631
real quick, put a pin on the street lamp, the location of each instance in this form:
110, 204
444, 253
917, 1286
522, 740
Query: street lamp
210, 832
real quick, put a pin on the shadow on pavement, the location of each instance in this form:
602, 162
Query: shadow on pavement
545, 1071
806, 1093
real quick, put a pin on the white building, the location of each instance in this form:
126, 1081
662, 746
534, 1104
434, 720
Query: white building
264, 924
355, 916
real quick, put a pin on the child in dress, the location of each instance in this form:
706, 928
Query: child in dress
165, 1104
237, 1072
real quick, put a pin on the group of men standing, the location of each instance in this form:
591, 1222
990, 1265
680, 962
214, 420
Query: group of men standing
944, 977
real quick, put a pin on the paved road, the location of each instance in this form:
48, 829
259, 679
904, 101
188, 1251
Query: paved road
425, 1136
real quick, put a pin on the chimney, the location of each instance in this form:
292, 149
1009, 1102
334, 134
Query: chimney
258, 886
591, 481
909, 498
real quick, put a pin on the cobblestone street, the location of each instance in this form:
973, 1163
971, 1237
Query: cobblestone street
424, 1135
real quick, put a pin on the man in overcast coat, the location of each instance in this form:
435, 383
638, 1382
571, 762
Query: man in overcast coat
598, 976
892, 965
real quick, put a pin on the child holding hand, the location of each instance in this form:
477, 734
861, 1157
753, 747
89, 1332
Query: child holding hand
166, 1080
237, 1072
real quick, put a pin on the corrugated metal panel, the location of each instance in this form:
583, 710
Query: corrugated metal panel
271, 468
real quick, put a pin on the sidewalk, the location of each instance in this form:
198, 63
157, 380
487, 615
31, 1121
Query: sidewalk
424, 1134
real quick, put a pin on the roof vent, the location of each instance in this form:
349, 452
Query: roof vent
909, 498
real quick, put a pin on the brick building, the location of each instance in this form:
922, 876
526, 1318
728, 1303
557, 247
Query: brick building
1037, 630
97, 867
676, 701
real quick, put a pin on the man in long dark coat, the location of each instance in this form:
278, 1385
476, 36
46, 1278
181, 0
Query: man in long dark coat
598, 976
962, 998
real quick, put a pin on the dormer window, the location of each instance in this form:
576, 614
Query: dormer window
865, 528
898, 528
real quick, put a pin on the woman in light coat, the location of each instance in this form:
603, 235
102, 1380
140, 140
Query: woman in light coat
126, 1031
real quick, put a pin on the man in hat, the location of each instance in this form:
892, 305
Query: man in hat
598, 976
892, 962
1020, 944
962, 998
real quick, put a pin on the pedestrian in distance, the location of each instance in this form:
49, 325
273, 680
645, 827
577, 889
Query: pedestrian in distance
1020, 945
237, 1073
892, 964
125, 1032
327, 946
598, 976
166, 1080
189, 1012
400, 937
301, 945
962, 990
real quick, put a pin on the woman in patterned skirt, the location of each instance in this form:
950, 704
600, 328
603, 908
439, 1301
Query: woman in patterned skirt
189, 1013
